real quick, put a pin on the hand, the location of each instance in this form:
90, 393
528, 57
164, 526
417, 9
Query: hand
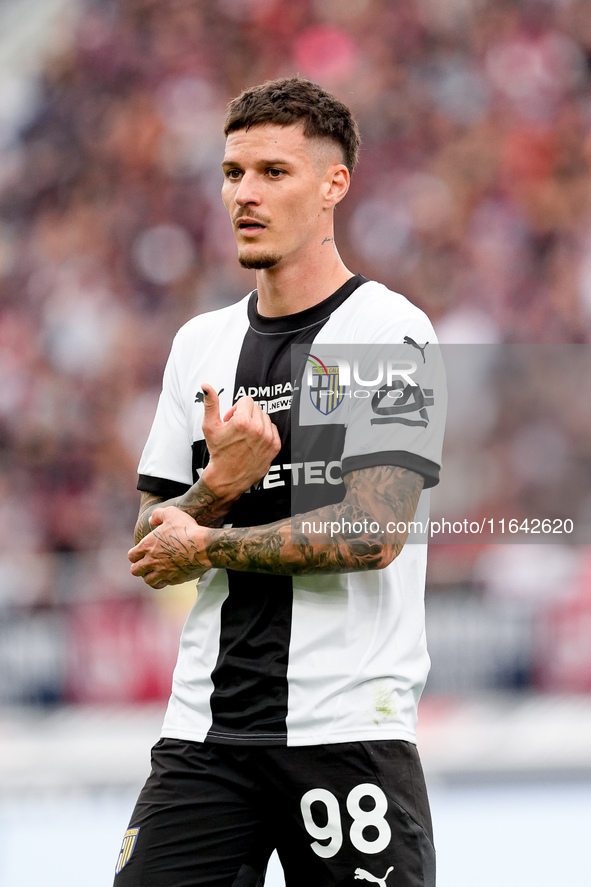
241, 446
171, 553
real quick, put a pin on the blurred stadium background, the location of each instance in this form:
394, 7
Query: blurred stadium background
473, 197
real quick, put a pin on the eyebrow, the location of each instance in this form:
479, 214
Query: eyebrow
277, 162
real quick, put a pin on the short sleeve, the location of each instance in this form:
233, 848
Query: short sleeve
165, 467
398, 404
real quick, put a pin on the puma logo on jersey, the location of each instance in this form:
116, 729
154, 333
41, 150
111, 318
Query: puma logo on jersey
408, 341
362, 875
200, 395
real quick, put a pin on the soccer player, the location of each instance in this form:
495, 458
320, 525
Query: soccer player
291, 723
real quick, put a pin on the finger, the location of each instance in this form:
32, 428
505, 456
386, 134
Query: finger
230, 413
153, 582
211, 405
139, 569
150, 577
270, 429
276, 438
147, 573
266, 420
157, 517
245, 408
135, 554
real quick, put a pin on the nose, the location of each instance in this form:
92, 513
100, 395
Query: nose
247, 191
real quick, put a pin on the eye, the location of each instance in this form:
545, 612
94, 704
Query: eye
233, 174
275, 173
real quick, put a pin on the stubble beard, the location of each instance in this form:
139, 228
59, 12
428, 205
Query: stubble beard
258, 262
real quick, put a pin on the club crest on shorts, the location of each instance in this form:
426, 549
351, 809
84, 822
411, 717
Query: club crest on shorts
326, 393
127, 848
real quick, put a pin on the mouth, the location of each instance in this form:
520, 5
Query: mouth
249, 226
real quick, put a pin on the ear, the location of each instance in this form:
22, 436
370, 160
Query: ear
335, 185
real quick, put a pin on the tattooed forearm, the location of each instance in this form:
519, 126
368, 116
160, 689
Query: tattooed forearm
252, 549
279, 549
148, 503
357, 540
199, 502
203, 505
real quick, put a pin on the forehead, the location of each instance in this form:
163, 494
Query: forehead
269, 141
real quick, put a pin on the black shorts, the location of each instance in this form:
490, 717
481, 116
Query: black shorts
211, 815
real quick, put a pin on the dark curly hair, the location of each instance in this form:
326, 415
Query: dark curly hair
293, 100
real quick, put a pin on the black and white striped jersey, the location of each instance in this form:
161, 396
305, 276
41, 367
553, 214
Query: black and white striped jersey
305, 660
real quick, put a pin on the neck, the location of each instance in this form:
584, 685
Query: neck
287, 289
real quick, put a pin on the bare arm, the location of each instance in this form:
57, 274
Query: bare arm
342, 538
199, 502
358, 538
242, 446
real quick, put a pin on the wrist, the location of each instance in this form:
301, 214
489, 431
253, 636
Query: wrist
221, 487
209, 553
198, 543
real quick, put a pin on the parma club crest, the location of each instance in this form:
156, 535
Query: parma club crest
127, 848
326, 392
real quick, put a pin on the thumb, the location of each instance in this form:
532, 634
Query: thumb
211, 405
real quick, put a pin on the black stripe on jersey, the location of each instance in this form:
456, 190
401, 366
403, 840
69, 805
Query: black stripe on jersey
200, 458
250, 697
249, 700
160, 486
400, 458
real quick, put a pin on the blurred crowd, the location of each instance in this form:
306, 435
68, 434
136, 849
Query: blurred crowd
472, 197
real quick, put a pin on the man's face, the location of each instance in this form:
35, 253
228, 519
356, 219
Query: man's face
275, 186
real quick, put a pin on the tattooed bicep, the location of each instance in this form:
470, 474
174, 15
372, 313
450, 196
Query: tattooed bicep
149, 500
385, 490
